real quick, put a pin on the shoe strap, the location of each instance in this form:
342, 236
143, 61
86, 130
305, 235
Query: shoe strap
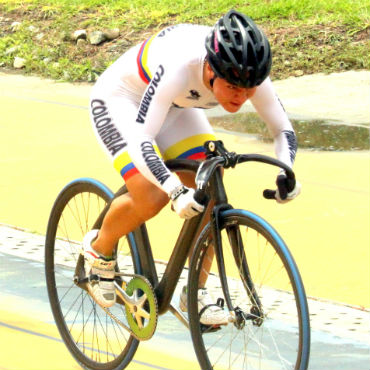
97, 278
220, 304
103, 264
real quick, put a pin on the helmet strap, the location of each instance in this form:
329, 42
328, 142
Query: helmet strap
212, 81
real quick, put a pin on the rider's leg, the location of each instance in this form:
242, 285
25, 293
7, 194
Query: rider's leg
128, 211
125, 214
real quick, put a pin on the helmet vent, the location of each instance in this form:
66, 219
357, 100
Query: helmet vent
238, 50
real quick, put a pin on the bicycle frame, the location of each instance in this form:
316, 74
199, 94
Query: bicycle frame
165, 288
140, 243
231, 235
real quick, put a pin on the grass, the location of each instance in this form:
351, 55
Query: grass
153, 12
306, 36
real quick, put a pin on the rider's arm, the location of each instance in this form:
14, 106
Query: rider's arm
155, 104
270, 109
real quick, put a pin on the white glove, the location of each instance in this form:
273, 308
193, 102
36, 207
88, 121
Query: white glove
283, 195
183, 202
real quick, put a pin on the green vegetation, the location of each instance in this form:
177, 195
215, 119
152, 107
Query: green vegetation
316, 134
306, 36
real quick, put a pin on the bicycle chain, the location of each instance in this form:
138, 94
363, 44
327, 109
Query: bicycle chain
119, 322
134, 329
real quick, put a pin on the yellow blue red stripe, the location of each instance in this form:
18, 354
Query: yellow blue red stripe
124, 165
191, 147
142, 60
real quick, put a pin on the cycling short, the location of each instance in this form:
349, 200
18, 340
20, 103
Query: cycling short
182, 134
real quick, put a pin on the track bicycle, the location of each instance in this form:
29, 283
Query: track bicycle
253, 277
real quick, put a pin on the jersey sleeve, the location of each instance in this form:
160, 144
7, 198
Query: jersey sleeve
154, 106
270, 109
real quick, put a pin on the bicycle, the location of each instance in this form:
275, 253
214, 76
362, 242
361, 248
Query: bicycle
253, 276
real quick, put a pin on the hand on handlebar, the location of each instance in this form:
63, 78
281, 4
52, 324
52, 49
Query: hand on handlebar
287, 189
184, 204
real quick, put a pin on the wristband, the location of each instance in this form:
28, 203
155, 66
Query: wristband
178, 191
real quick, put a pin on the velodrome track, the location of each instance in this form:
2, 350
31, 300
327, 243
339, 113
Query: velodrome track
46, 141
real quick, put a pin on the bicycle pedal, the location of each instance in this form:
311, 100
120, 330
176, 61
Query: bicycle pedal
93, 278
232, 317
205, 329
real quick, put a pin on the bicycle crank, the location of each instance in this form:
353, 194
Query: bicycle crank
139, 300
141, 307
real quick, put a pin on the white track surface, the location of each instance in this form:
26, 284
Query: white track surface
328, 317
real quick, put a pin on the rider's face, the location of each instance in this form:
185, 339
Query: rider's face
231, 97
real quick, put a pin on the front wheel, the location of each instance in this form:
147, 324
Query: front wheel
268, 321
93, 335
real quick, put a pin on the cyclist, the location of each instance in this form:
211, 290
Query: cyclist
148, 106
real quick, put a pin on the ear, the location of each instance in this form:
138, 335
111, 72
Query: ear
209, 69
209, 75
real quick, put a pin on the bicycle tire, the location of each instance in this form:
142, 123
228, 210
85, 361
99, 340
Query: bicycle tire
94, 339
277, 339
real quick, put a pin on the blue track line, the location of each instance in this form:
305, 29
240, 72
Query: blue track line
31, 332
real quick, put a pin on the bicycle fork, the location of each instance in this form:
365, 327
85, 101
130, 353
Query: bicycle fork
233, 232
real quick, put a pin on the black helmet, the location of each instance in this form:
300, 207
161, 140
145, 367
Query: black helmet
238, 51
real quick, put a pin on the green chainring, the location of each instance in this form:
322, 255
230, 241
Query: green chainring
143, 316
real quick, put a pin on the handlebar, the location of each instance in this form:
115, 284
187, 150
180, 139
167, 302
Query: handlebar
218, 156
207, 168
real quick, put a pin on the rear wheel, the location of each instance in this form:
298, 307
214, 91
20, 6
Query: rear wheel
92, 335
269, 328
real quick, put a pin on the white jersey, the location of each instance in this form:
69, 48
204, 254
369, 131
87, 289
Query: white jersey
142, 94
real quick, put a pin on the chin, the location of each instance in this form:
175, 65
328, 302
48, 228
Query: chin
232, 108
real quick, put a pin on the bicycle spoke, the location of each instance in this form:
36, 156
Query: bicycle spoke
261, 334
96, 339
77, 312
85, 322
105, 334
67, 291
